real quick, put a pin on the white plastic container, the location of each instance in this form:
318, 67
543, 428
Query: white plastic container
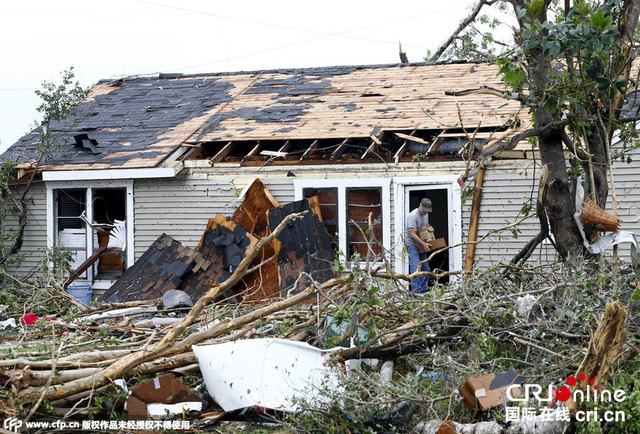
269, 373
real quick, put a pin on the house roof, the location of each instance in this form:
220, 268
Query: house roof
138, 122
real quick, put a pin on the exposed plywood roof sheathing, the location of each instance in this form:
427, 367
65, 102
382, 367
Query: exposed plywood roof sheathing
142, 122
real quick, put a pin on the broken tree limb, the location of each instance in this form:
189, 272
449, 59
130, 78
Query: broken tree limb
233, 324
130, 361
475, 218
605, 347
463, 24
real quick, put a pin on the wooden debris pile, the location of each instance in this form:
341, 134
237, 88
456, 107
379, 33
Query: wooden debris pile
302, 253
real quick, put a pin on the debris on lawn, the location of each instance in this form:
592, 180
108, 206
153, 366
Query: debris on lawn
269, 373
161, 396
261, 323
482, 393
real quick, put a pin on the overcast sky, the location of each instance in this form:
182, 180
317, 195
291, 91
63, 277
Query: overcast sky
107, 39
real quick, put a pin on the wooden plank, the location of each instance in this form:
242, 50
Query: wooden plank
412, 138
314, 206
473, 223
401, 152
253, 152
405, 145
285, 147
373, 147
310, 149
222, 154
252, 212
337, 153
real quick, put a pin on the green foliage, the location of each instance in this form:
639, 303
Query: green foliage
59, 102
466, 193
513, 73
564, 315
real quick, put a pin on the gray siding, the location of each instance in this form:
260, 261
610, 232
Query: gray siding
627, 189
35, 235
179, 207
282, 189
182, 207
504, 193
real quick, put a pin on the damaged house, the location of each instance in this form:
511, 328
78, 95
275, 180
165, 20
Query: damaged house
167, 153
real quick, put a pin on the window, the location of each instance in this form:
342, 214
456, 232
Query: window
71, 203
346, 205
70, 229
328, 201
364, 205
70, 210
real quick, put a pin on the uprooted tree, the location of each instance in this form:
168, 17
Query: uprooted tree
572, 66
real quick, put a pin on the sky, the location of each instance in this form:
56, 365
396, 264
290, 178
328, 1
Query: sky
115, 38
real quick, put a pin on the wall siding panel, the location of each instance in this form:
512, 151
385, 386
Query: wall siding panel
179, 207
35, 235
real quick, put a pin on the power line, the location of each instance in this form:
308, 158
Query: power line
65, 14
299, 29
320, 34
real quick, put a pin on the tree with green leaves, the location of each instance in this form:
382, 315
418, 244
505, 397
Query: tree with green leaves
58, 103
571, 64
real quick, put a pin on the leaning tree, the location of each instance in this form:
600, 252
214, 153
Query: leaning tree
572, 65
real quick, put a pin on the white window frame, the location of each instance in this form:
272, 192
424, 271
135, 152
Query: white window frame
401, 188
89, 186
342, 185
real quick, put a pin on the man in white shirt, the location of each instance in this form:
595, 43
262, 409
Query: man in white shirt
416, 220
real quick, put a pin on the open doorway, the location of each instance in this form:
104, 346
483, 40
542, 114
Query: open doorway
109, 205
438, 218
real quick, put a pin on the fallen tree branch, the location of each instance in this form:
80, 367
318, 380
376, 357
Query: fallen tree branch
463, 25
127, 363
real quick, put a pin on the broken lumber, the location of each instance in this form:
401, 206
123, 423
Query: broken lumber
605, 347
252, 212
126, 363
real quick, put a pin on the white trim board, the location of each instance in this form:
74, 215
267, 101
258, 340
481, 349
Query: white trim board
109, 174
89, 185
